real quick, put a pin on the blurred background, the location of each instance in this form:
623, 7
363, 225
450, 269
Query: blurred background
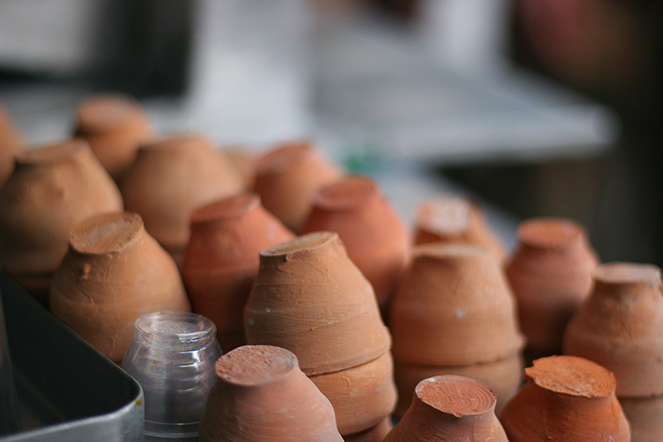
535, 107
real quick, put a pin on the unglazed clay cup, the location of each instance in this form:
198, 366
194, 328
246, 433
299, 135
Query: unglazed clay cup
11, 144
222, 258
261, 395
113, 274
620, 326
503, 377
287, 177
376, 238
566, 398
453, 307
455, 219
449, 408
362, 396
373, 434
170, 179
644, 416
311, 299
551, 274
115, 126
52, 189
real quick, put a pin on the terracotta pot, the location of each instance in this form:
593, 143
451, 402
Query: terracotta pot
449, 408
566, 398
453, 307
52, 189
245, 163
11, 144
114, 125
376, 238
172, 178
620, 326
456, 220
502, 377
644, 417
261, 395
373, 434
311, 299
362, 396
113, 274
221, 260
550, 273
287, 177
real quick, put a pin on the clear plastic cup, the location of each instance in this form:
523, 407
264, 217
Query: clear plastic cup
172, 356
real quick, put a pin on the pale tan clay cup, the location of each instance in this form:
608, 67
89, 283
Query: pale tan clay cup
113, 274
52, 189
11, 144
566, 398
222, 258
449, 408
261, 395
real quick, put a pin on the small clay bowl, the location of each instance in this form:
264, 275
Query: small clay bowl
449, 408
376, 238
11, 144
262, 395
644, 417
287, 177
373, 434
566, 398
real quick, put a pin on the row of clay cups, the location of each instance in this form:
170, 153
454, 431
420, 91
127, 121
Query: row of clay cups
453, 313
311, 299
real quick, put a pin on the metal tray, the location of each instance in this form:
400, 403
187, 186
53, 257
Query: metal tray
67, 390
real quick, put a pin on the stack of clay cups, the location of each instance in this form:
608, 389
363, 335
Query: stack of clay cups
221, 261
453, 313
311, 299
568, 399
620, 326
551, 274
11, 144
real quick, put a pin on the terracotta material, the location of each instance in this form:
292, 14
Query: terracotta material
373, 434
620, 327
644, 417
52, 189
457, 220
114, 125
453, 307
221, 260
287, 177
376, 238
550, 273
450, 408
11, 144
113, 274
261, 395
362, 396
245, 163
502, 377
311, 299
172, 178
566, 398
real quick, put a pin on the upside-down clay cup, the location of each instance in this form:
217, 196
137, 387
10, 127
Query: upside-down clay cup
449, 408
222, 258
376, 238
566, 398
287, 177
11, 144
261, 395
170, 179
644, 416
113, 274
115, 126
52, 189
373, 434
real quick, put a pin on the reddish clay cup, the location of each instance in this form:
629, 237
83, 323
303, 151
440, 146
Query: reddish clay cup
620, 326
566, 398
11, 144
449, 408
551, 274
311, 299
644, 416
114, 125
362, 396
52, 189
287, 177
261, 395
455, 220
373, 434
172, 178
113, 274
221, 260
502, 377
376, 238
453, 307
